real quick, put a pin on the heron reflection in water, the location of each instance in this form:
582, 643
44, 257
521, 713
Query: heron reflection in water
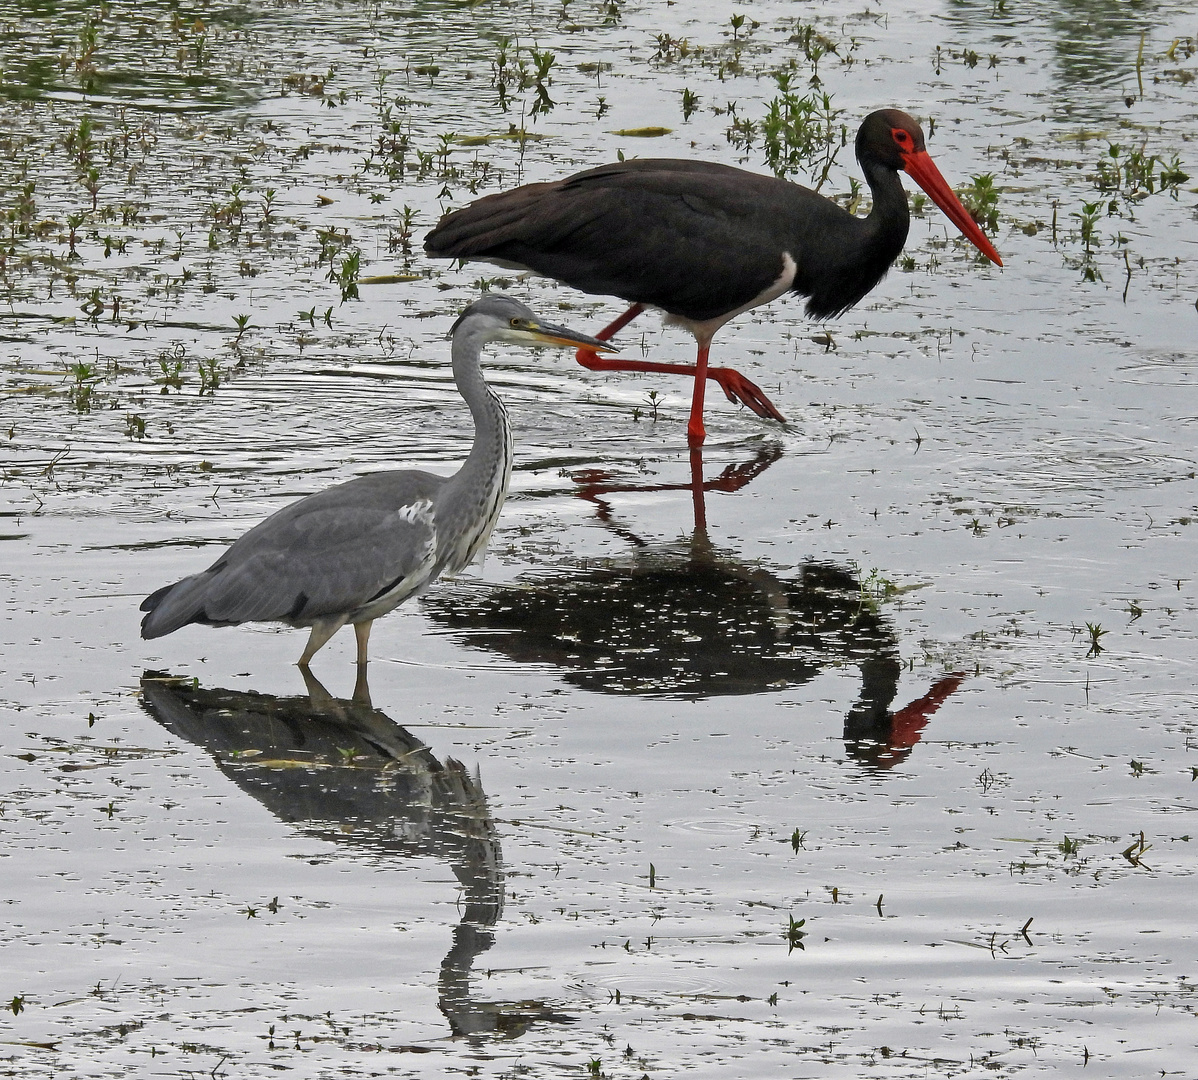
349, 776
691, 620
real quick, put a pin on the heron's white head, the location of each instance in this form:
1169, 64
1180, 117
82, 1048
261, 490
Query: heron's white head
494, 317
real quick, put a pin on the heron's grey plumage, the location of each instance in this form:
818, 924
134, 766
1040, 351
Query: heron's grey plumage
353, 552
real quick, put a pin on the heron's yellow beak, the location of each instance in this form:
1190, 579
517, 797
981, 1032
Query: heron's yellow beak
549, 334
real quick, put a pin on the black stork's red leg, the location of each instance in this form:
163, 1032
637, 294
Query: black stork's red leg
736, 387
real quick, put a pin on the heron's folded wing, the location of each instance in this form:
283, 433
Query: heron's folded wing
323, 555
325, 561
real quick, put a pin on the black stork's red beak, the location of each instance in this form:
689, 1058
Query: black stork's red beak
922, 169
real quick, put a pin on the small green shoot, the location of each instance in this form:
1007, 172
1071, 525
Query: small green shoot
1088, 217
801, 134
981, 200
794, 934
346, 275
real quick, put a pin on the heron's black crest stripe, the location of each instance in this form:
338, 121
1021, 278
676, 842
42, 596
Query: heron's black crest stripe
301, 602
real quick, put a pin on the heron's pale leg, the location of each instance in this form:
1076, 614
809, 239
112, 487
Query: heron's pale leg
321, 632
321, 699
361, 688
695, 431
362, 633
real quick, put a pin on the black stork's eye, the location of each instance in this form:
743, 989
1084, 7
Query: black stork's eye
900, 136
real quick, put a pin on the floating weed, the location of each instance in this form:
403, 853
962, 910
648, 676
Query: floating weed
794, 934
801, 134
170, 366
1088, 221
243, 322
268, 200
1135, 851
17, 1005
85, 376
346, 274
690, 102
135, 426
400, 236
543, 62
1069, 846
796, 839
1096, 633
670, 49
1137, 767
981, 200
875, 587
210, 375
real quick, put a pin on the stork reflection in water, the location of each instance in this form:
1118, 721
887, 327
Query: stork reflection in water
691, 620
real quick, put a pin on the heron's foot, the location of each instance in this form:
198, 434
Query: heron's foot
740, 390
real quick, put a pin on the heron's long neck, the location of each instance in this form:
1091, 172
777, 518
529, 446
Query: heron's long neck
470, 501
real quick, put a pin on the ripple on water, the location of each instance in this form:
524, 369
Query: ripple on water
711, 826
1172, 368
645, 985
1094, 463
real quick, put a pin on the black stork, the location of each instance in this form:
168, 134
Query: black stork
705, 242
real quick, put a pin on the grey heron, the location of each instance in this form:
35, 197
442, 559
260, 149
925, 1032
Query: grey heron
354, 551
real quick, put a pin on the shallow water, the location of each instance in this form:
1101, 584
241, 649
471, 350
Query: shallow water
864, 697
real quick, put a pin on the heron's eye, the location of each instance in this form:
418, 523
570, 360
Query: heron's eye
516, 323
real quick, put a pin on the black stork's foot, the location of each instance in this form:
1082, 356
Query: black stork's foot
737, 389
740, 390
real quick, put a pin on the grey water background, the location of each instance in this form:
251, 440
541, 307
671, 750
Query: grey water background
598, 786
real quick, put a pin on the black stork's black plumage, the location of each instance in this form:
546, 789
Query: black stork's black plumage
705, 242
